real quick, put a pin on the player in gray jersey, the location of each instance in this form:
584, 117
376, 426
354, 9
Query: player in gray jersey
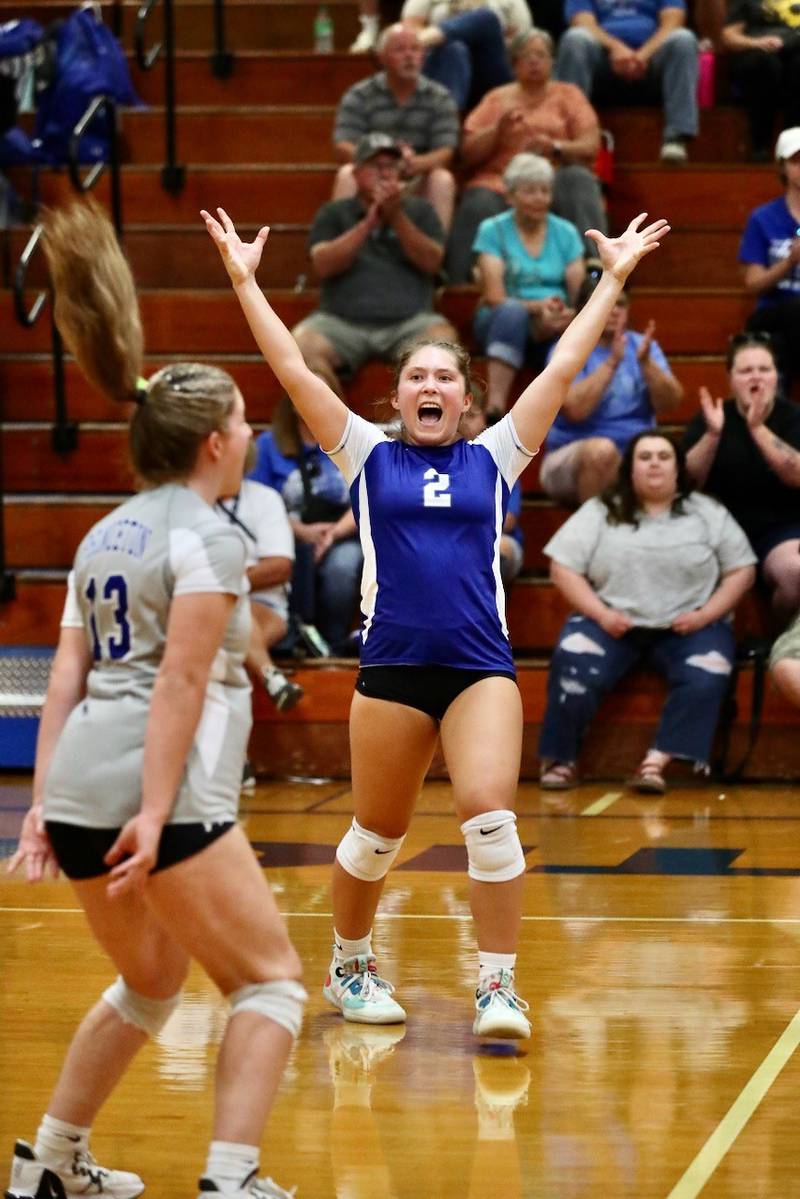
141, 746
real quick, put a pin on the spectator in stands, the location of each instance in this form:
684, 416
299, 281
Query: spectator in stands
530, 266
328, 561
535, 114
261, 515
417, 113
624, 384
612, 44
652, 570
377, 255
763, 44
784, 661
745, 451
370, 21
467, 40
512, 542
770, 254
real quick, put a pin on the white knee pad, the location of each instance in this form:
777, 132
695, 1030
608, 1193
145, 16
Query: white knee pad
150, 1015
493, 847
282, 1001
367, 855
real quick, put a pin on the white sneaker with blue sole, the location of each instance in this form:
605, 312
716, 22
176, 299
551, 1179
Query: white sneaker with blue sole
361, 995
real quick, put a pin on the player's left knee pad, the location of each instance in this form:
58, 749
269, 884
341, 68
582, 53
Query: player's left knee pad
150, 1015
367, 855
494, 851
282, 1001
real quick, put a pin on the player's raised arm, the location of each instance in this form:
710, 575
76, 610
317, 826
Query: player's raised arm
318, 406
539, 403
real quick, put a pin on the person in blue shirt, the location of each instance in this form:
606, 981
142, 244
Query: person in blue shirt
328, 560
770, 256
530, 265
435, 656
626, 381
614, 43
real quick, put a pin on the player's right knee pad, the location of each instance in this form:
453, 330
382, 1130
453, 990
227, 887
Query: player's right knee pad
282, 1001
367, 855
150, 1015
494, 851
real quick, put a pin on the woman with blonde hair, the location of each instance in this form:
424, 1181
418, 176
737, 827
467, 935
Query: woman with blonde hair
141, 746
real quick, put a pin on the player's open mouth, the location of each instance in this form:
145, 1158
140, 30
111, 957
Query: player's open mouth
429, 414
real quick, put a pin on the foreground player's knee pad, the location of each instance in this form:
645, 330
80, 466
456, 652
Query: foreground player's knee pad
282, 1001
150, 1015
367, 855
493, 847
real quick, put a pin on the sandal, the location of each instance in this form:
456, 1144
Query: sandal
648, 779
558, 776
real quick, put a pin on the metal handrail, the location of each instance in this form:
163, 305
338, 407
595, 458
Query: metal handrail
173, 175
222, 60
107, 105
65, 431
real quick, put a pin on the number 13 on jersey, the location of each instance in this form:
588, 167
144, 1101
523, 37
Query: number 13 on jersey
108, 617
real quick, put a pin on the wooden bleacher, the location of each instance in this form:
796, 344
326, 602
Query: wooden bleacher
259, 144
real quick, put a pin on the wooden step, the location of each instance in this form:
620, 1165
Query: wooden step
99, 464
312, 738
27, 388
233, 134
259, 77
178, 256
701, 197
250, 24
181, 323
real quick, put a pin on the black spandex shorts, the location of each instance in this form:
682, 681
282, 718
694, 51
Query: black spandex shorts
431, 689
80, 851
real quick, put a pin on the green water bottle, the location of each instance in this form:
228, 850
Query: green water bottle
323, 31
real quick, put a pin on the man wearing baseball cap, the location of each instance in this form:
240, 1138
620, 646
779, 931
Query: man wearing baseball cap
770, 256
377, 254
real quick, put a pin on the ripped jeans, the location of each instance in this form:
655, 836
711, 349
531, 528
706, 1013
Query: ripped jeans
587, 663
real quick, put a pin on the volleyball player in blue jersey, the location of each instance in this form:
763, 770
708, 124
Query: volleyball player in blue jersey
435, 656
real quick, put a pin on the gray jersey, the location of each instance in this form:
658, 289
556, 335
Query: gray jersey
162, 543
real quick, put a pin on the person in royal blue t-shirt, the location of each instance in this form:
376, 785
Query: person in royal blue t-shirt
435, 655
770, 257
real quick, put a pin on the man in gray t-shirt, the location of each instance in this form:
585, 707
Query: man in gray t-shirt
377, 255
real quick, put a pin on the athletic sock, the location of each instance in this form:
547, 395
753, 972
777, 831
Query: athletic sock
342, 948
57, 1141
229, 1164
490, 964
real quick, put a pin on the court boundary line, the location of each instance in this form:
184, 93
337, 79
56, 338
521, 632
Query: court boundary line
466, 916
738, 1115
600, 805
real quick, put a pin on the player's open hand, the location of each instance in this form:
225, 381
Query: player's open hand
133, 855
619, 255
34, 850
241, 258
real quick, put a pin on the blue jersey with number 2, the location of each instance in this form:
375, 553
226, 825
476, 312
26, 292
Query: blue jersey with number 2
430, 519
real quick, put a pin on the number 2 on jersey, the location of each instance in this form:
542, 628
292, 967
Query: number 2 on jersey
117, 639
435, 494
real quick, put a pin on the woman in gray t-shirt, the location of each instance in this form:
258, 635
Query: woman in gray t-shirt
652, 570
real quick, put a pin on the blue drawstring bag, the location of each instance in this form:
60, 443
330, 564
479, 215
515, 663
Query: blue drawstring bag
89, 62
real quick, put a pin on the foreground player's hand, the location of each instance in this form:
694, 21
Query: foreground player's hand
34, 848
133, 855
619, 255
241, 258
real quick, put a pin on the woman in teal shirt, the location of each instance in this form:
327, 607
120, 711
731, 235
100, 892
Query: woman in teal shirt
530, 266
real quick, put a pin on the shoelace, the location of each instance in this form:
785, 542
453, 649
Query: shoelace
371, 982
267, 1188
83, 1163
508, 995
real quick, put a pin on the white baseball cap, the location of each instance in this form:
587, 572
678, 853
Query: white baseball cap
788, 143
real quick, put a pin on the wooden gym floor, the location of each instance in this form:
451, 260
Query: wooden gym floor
660, 956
